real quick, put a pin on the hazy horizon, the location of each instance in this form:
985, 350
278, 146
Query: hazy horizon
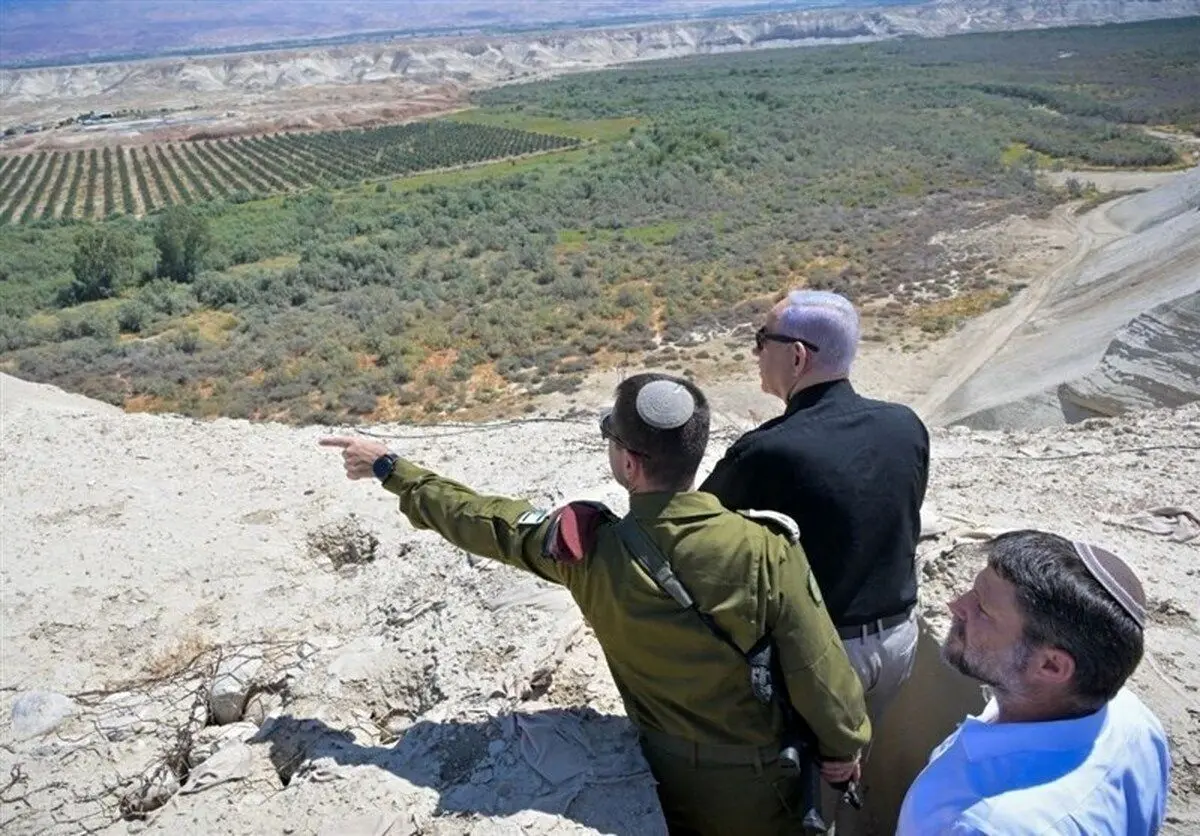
71, 31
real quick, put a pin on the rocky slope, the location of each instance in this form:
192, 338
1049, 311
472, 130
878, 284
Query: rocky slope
1153, 361
1139, 253
161, 574
490, 60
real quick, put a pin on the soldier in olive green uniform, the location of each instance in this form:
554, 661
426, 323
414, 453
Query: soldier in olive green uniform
712, 746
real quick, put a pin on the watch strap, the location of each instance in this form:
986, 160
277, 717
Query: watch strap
384, 465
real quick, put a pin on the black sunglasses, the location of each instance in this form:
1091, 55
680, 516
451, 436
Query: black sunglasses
608, 435
762, 336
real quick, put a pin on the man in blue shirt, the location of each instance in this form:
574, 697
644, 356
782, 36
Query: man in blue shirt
1055, 628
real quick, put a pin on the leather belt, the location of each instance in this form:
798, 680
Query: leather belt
861, 631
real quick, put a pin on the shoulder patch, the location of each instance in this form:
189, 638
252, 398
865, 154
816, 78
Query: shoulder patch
534, 516
780, 522
573, 530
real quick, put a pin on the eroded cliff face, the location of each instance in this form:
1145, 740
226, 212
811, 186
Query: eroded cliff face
1116, 330
487, 60
1153, 361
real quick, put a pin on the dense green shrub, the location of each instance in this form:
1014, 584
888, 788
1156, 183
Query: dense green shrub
133, 316
104, 261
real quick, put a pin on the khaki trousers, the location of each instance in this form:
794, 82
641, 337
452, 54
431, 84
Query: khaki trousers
883, 661
722, 790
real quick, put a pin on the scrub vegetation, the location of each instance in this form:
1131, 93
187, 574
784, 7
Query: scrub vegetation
681, 197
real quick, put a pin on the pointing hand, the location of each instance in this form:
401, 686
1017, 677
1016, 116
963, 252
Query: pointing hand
358, 454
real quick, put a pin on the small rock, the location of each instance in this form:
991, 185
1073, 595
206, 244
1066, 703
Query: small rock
38, 712
262, 705
234, 762
212, 739
496, 747
362, 660
231, 686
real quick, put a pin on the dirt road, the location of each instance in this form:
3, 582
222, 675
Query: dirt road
979, 342
982, 339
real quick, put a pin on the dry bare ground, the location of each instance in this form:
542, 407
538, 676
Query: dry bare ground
397, 682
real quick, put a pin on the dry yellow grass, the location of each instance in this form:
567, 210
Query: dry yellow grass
145, 403
942, 316
211, 326
178, 656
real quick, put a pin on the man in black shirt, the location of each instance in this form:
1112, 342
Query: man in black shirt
850, 471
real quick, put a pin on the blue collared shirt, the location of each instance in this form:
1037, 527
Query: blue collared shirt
1104, 774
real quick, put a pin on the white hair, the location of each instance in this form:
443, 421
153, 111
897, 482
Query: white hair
828, 321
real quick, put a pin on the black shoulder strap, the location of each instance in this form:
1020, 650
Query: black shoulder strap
653, 563
649, 556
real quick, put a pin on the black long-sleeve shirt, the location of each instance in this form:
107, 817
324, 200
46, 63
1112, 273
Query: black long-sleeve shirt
852, 473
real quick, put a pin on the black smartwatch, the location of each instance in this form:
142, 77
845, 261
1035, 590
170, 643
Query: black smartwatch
384, 465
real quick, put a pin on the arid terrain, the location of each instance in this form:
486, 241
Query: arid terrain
403, 685
205, 628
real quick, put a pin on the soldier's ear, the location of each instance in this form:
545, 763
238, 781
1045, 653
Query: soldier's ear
631, 464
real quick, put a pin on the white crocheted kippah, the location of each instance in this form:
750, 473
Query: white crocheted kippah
665, 404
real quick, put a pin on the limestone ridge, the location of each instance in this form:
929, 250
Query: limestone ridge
477, 61
1153, 361
1142, 211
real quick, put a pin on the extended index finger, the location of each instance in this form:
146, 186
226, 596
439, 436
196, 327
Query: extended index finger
336, 441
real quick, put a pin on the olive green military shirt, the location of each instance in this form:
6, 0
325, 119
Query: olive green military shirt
674, 676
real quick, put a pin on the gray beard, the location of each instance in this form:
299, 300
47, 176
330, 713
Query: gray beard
956, 657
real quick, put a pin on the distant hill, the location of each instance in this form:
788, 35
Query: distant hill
486, 60
50, 32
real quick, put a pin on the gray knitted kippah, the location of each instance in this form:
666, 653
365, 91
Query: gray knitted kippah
665, 404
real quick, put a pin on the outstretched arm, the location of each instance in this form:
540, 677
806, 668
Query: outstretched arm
508, 530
